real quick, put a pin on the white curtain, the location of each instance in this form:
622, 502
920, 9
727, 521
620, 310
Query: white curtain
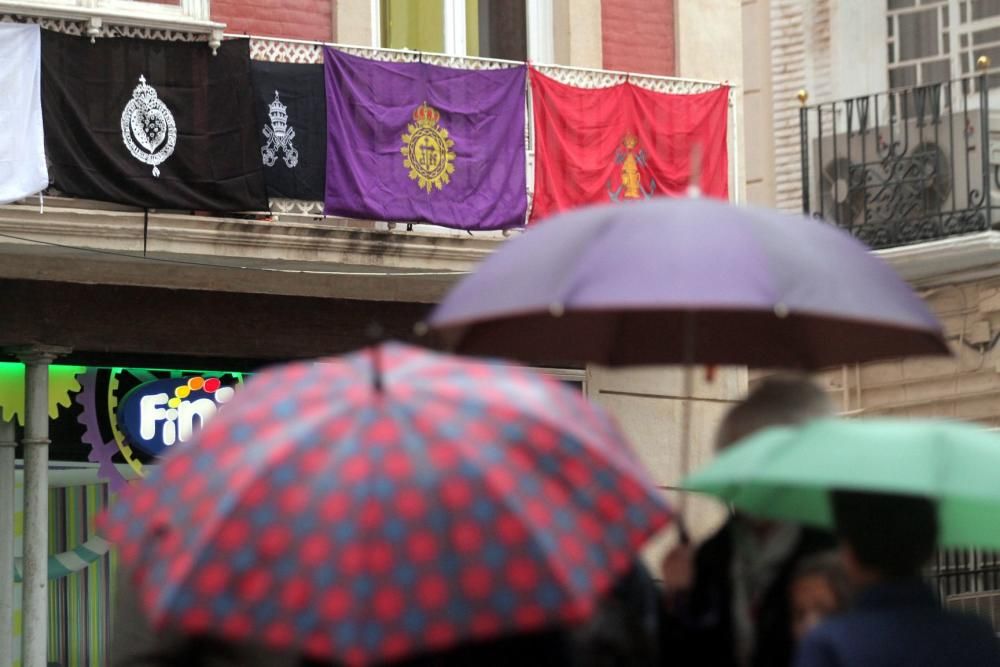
22, 146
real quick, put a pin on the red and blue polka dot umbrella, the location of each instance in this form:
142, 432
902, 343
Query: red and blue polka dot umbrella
387, 503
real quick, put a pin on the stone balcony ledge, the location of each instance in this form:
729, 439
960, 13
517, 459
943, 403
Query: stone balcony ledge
98, 18
329, 257
947, 260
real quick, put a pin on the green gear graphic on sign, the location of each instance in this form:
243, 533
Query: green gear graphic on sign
101, 391
62, 382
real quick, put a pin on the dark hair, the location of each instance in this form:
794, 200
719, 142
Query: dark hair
779, 400
826, 564
892, 534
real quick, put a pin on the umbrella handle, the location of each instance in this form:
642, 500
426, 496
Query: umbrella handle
682, 532
376, 333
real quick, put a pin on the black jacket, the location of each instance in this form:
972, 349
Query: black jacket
698, 628
900, 623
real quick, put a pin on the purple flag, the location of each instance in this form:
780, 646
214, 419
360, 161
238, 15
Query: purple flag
417, 142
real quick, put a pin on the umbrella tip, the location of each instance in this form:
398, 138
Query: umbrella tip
556, 309
377, 383
780, 311
376, 333
421, 328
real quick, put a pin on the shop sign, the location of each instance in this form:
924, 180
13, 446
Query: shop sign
159, 414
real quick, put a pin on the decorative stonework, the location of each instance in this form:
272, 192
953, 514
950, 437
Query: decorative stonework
279, 50
298, 207
97, 29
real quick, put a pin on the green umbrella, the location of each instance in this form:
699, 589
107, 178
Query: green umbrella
788, 472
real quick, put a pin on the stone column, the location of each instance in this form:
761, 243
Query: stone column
7, 444
36, 359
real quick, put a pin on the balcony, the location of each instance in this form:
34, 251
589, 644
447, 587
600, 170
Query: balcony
904, 166
131, 18
291, 249
298, 51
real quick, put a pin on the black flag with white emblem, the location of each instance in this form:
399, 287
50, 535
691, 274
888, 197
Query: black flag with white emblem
153, 124
291, 110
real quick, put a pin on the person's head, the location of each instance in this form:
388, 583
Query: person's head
884, 536
819, 587
780, 400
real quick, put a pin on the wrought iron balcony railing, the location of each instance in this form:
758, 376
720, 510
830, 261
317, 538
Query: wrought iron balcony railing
904, 166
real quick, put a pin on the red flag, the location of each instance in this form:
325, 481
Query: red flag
623, 143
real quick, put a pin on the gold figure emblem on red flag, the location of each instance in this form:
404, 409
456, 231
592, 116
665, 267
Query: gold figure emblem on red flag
631, 159
427, 149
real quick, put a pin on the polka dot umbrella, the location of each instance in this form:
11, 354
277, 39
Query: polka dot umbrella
387, 503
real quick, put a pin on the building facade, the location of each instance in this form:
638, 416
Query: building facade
119, 294
881, 117
913, 68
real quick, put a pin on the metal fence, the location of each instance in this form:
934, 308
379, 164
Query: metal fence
962, 571
902, 166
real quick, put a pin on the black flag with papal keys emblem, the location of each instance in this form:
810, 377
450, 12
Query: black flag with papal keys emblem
291, 114
153, 124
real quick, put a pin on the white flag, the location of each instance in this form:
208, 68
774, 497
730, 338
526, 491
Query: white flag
22, 144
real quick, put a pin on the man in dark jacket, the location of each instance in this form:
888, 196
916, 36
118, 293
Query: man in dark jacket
896, 620
624, 629
727, 602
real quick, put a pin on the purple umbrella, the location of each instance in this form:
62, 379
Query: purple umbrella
687, 281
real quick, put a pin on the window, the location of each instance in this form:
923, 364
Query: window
486, 28
930, 41
571, 377
417, 25
499, 30
919, 43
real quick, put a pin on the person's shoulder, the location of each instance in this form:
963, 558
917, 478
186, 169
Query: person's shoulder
878, 636
856, 637
974, 636
972, 627
819, 648
838, 626
851, 628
